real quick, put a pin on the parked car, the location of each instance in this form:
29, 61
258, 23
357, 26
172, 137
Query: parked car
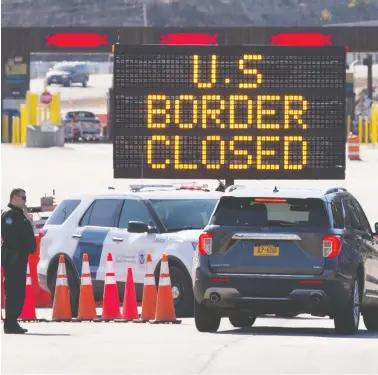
84, 125
68, 73
287, 251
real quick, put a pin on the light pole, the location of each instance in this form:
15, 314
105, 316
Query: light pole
145, 22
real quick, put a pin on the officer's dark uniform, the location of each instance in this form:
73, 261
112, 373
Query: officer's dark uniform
18, 242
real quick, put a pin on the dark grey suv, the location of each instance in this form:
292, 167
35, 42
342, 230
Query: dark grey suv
68, 73
287, 252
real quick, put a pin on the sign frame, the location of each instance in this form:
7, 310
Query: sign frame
120, 137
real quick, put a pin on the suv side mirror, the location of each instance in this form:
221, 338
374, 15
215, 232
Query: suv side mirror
376, 228
137, 227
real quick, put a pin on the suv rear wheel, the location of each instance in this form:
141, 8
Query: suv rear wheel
242, 320
182, 292
206, 320
347, 319
371, 319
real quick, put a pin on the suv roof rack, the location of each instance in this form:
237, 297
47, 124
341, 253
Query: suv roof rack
234, 187
173, 186
334, 190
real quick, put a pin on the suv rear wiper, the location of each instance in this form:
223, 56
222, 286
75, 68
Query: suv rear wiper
179, 229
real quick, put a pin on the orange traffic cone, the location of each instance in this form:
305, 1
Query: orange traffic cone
111, 306
28, 310
165, 308
149, 294
62, 304
130, 305
87, 305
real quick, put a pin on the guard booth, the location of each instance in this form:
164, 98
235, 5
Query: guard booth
18, 43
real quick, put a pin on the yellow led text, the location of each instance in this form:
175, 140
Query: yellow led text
234, 154
250, 71
220, 111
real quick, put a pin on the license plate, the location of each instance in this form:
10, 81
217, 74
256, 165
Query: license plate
266, 251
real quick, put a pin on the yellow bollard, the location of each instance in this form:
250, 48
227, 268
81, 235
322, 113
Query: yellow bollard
55, 109
374, 124
5, 129
18, 139
24, 122
40, 112
37, 119
348, 124
14, 130
32, 104
44, 106
360, 129
366, 127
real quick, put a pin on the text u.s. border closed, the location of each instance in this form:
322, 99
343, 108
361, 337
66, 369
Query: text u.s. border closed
244, 112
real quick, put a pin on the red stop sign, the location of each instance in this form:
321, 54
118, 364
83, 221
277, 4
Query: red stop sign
45, 97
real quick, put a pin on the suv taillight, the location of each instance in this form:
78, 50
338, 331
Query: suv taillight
205, 243
331, 246
42, 232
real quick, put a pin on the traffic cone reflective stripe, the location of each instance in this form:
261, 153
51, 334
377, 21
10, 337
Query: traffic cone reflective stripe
353, 147
87, 305
149, 293
110, 278
130, 306
28, 310
165, 279
165, 309
111, 306
62, 303
61, 279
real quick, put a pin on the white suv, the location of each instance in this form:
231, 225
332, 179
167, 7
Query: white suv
129, 225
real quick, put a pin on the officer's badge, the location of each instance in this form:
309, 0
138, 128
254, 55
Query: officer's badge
8, 220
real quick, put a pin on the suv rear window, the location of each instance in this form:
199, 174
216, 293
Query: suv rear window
63, 211
304, 213
180, 214
80, 114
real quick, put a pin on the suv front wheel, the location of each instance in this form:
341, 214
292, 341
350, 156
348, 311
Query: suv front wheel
207, 320
347, 319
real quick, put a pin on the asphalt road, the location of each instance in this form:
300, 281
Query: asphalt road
88, 167
98, 86
273, 346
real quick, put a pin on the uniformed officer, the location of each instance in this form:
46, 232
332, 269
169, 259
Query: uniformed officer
18, 242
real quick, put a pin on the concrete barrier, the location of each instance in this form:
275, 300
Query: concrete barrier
44, 136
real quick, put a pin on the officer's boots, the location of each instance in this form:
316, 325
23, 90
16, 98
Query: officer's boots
13, 328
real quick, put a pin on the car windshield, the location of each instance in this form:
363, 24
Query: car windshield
81, 114
262, 212
63, 68
181, 214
